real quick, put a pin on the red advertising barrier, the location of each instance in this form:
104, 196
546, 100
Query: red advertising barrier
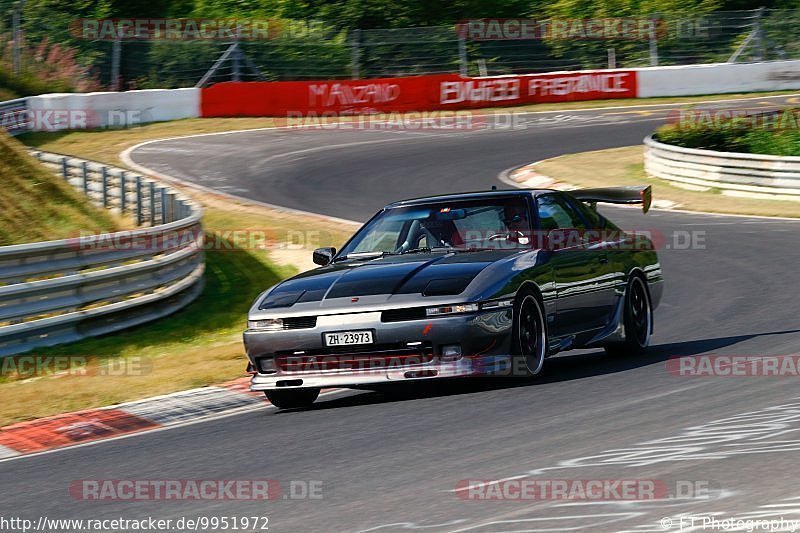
419, 93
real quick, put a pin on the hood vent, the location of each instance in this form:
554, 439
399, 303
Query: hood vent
446, 287
281, 299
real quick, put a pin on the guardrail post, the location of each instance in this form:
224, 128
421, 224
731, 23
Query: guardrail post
152, 187
64, 172
123, 200
85, 175
138, 200
171, 207
163, 205
104, 178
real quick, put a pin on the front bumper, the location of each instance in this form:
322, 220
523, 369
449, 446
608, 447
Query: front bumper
484, 338
473, 366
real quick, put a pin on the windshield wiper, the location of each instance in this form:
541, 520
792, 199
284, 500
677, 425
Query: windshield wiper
427, 249
364, 255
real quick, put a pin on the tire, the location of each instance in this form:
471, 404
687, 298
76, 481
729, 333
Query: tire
292, 399
638, 320
529, 339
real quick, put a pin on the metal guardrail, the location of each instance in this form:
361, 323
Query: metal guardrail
60, 291
752, 173
14, 116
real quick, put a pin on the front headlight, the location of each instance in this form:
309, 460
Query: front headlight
451, 309
270, 324
497, 304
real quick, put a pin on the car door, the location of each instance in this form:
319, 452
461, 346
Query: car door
580, 267
603, 239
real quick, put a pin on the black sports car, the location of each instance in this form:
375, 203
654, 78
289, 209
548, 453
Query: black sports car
472, 284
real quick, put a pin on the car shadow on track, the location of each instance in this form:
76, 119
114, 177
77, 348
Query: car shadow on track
565, 367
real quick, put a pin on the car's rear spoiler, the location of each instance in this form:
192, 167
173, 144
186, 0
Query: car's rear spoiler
635, 194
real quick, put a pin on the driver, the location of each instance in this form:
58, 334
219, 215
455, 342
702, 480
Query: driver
515, 218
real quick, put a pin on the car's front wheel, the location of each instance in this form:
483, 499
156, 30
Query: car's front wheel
292, 399
638, 320
530, 335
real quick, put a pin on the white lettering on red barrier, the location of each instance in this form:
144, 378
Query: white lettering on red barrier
583, 83
453, 92
331, 94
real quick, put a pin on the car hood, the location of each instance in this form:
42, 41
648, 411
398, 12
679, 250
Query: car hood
413, 274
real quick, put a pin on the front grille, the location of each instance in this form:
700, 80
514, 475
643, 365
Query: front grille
400, 315
385, 356
299, 322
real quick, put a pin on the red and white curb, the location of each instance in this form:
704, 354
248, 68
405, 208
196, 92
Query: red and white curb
158, 412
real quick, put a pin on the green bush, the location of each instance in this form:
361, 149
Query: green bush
777, 135
27, 85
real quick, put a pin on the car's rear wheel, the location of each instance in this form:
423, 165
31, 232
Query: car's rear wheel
292, 399
530, 335
638, 320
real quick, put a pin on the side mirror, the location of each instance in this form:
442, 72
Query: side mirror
561, 238
323, 256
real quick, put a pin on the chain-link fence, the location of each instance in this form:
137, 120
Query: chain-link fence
322, 52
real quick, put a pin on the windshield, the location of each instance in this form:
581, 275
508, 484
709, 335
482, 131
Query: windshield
497, 223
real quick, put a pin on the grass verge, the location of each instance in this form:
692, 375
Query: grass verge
37, 205
624, 166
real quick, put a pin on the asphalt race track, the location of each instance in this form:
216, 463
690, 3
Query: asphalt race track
389, 462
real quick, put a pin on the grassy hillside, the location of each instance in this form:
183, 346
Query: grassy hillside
37, 205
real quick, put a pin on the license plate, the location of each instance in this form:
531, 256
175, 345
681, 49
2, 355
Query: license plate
347, 338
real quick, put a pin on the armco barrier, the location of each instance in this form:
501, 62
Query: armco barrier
60, 291
420, 93
687, 80
14, 117
752, 173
